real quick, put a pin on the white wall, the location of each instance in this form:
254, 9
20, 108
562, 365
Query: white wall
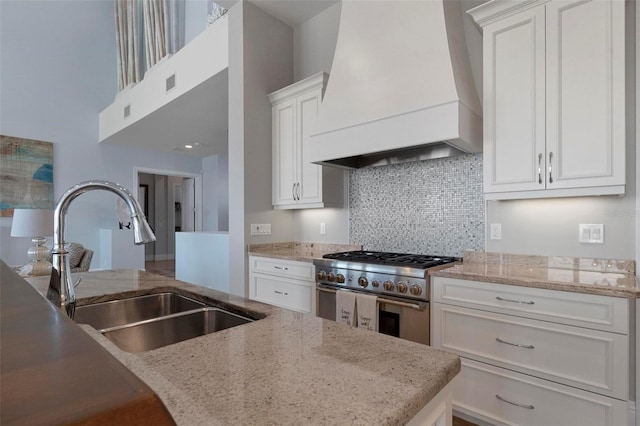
314, 42
195, 19
260, 61
58, 71
637, 22
550, 227
531, 226
215, 214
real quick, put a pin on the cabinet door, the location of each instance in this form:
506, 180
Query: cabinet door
309, 175
284, 152
585, 93
514, 99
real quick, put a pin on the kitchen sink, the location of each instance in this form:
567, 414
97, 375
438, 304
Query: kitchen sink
134, 309
152, 334
142, 323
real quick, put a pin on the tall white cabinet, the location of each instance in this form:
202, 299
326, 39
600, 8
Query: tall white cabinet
297, 183
554, 98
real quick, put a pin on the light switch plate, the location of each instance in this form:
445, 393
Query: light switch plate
260, 229
323, 228
591, 233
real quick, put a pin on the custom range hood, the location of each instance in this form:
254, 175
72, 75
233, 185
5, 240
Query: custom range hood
400, 88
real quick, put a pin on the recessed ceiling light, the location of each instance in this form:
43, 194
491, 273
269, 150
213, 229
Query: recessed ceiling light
188, 146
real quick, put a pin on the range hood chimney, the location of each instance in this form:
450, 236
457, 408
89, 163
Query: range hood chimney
400, 87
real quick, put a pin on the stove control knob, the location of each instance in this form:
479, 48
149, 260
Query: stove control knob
363, 282
322, 275
402, 287
388, 285
340, 278
416, 290
375, 283
331, 277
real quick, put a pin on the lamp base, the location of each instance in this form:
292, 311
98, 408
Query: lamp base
39, 255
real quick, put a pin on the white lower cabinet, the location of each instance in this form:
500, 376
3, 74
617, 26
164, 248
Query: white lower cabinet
523, 367
284, 283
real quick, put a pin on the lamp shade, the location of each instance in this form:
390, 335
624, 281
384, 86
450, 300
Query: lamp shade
32, 223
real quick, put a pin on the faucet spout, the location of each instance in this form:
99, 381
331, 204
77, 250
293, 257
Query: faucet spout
61, 289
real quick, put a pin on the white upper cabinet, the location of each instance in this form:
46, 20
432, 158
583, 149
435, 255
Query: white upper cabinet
297, 183
554, 98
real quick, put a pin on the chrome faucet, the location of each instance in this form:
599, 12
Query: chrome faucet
61, 288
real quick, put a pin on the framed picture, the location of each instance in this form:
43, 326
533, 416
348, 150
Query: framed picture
26, 174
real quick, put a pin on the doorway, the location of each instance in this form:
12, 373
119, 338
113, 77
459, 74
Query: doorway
171, 202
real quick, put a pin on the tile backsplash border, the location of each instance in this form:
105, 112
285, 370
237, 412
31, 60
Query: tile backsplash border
429, 207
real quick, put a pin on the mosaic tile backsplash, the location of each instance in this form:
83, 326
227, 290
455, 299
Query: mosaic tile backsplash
429, 207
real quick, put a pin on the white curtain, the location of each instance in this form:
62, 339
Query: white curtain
159, 24
163, 28
128, 40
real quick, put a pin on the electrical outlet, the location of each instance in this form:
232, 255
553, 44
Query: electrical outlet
591, 233
260, 229
496, 231
323, 229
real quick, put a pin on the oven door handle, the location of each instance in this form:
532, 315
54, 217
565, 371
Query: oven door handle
419, 306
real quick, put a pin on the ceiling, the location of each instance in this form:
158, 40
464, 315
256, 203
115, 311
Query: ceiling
291, 12
199, 118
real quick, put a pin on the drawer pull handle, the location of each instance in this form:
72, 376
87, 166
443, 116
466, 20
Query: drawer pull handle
281, 268
284, 293
527, 406
524, 302
499, 340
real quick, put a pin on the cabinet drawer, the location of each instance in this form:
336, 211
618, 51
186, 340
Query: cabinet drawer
282, 267
282, 292
589, 359
479, 386
582, 310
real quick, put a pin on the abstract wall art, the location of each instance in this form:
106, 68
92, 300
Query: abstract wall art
26, 174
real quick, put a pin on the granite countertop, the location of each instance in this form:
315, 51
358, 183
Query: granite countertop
287, 368
304, 252
605, 277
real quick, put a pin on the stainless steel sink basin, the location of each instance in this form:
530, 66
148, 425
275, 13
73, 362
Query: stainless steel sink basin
126, 311
142, 323
152, 334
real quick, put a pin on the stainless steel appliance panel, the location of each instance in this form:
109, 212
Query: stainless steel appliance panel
404, 319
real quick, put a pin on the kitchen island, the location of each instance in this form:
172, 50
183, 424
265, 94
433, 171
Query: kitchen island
285, 368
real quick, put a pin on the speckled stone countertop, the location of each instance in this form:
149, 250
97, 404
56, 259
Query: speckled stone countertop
304, 252
286, 368
580, 275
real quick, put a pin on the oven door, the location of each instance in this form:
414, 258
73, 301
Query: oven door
403, 318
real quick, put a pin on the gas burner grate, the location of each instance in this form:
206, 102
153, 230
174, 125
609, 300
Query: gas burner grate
393, 259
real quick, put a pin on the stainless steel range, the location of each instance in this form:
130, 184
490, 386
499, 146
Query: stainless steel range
399, 280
